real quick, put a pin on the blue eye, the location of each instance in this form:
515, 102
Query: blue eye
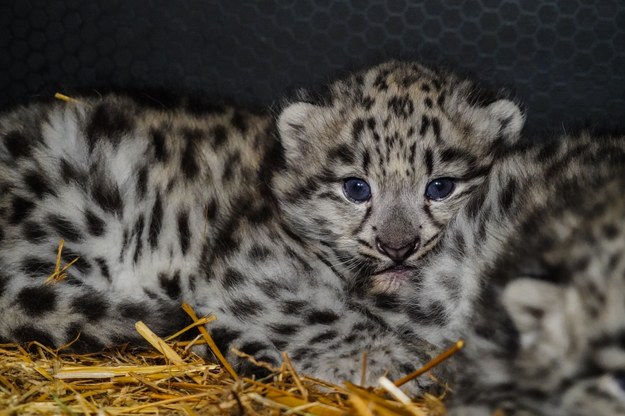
356, 190
439, 189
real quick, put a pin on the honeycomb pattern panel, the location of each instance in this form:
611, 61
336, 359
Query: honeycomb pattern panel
564, 60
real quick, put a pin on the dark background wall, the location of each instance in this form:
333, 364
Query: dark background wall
564, 59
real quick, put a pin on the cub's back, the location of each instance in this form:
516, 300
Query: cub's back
128, 186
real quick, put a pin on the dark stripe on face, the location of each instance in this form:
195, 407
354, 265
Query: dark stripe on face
436, 127
330, 266
365, 162
429, 162
304, 191
433, 238
363, 221
369, 257
476, 173
426, 208
342, 153
331, 196
364, 243
466, 192
452, 155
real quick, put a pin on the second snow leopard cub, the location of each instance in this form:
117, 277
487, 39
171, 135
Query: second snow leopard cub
272, 224
548, 330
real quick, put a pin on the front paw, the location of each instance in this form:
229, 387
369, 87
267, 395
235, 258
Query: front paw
392, 360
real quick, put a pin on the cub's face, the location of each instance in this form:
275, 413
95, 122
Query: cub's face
376, 170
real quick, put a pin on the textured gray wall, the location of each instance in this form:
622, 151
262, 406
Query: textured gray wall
564, 59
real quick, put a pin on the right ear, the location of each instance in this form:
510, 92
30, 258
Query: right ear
295, 123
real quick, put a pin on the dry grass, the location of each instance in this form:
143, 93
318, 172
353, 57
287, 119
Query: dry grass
171, 379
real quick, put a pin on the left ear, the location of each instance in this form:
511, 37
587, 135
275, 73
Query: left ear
493, 118
506, 120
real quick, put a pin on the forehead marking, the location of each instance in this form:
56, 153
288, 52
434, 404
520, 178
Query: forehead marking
436, 127
413, 151
357, 127
425, 124
429, 162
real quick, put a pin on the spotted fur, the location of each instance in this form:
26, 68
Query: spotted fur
530, 272
244, 216
548, 337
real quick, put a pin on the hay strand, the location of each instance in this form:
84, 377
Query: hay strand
431, 364
65, 98
37, 380
209, 341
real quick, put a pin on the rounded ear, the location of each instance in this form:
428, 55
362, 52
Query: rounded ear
507, 119
492, 116
294, 127
541, 312
532, 303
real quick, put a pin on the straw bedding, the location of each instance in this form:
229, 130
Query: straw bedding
171, 379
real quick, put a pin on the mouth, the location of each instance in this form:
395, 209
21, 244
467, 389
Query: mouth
391, 279
397, 269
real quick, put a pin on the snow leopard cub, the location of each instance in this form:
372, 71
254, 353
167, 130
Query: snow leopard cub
547, 336
290, 229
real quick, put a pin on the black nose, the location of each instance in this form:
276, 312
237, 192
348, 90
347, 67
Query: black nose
398, 252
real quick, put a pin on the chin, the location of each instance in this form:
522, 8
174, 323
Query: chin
390, 281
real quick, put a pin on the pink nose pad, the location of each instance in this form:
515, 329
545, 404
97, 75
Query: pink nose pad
398, 252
